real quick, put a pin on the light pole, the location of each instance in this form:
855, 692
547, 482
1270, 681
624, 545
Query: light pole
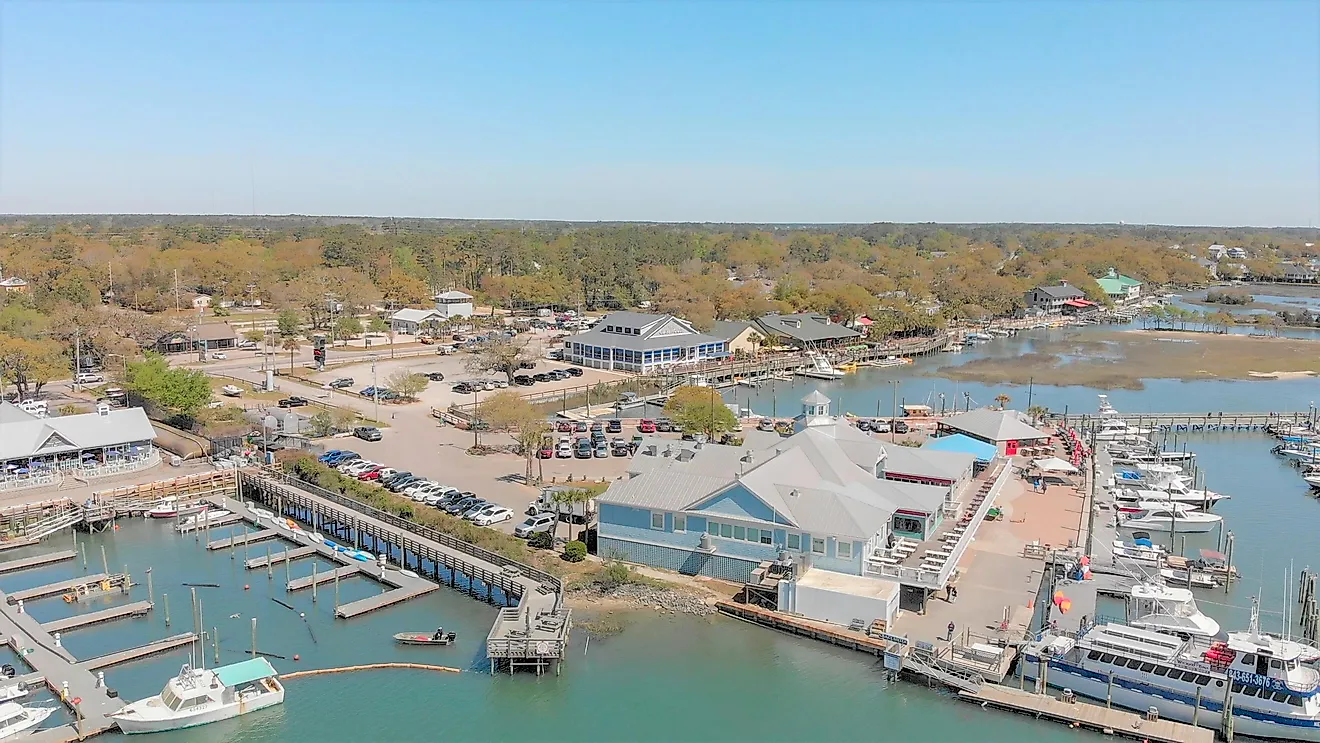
375, 391
893, 411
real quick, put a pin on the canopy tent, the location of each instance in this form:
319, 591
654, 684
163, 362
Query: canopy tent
1054, 464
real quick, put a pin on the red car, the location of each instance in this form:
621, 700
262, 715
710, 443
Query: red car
546, 452
646, 426
565, 427
371, 474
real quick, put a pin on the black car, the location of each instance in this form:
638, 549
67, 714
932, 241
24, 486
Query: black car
463, 388
367, 433
574, 371
523, 380
900, 427
293, 402
614, 426
435, 376
342, 382
398, 479
664, 424
542, 377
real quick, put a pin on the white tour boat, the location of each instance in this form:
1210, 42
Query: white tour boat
167, 508
821, 368
1172, 611
201, 696
1167, 516
1274, 694
15, 718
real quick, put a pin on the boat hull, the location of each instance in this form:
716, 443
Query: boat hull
1171, 709
225, 712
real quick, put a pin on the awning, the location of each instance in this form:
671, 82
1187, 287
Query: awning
1053, 464
963, 444
1079, 303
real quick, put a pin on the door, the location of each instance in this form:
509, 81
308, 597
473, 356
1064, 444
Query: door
1011, 448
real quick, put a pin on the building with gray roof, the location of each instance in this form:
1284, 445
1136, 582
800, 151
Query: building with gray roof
805, 330
35, 450
1005, 429
643, 343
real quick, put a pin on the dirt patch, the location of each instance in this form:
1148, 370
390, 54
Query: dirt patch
1122, 359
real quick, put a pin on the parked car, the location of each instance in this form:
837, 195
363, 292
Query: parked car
373, 473
583, 449
547, 451
579, 426
463, 388
476, 507
646, 426
329, 455
219, 355
899, 427
459, 505
619, 448
367, 433
292, 402
602, 450
564, 451
558, 374
564, 427
537, 522
342, 383
664, 425
356, 467
879, 426
492, 516
573, 371
89, 378
614, 425
435, 376
541, 377
522, 380
765, 424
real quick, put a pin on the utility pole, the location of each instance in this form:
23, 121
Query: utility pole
176, 290
375, 390
1090, 510
77, 357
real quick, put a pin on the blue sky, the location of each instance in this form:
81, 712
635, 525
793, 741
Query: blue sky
1158, 112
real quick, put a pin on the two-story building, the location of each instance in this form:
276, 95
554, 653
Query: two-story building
1118, 287
453, 303
1051, 299
640, 342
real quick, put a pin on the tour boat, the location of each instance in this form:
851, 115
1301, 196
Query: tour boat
821, 368
201, 696
203, 518
1167, 516
1273, 693
1172, 611
15, 718
167, 508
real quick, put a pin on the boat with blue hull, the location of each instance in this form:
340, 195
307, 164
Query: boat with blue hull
1272, 690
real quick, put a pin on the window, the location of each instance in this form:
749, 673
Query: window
794, 541
1202, 680
1163, 671
1106, 658
680, 522
753, 535
818, 546
739, 532
712, 528
1093, 655
726, 530
844, 550
767, 536
657, 520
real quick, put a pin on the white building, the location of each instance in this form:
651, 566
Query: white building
453, 303
411, 321
37, 452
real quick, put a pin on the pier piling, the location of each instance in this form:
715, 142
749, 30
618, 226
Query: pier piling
82, 549
313, 583
105, 564
165, 599
254, 637
151, 592
1228, 560
270, 571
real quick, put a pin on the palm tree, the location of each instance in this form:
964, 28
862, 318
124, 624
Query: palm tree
1003, 400
1037, 413
292, 345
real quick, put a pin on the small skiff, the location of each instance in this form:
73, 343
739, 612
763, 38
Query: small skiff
439, 637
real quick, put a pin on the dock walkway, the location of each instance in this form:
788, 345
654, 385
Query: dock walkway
294, 553
78, 621
245, 538
141, 651
1090, 716
321, 578
229, 520
417, 587
37, 561
58, 587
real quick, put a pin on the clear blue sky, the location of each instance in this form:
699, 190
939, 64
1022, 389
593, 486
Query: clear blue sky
1065, 111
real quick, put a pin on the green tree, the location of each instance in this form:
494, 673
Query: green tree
287, 323
321, 423
256, 336
28, 364
377, 324
700, 409
180, 392
292, 345
348, 327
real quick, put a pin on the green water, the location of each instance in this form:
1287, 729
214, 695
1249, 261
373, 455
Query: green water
662, 679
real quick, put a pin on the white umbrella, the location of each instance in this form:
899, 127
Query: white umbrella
1054, 464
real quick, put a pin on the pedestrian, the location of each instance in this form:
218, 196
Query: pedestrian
950, 632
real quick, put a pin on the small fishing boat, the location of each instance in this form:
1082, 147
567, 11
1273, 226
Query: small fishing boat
15, 718
409, 574
201, 696
1181, 578
439, 637
1136, 551
362, 555
167, 508
314, 537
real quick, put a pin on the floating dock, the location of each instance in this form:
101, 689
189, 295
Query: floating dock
135, 609
229, 520
17, 542
295, 553
329, 576
804, 627
58, 587
1090, 716
141, 651
244, 538
37, 561
389, 598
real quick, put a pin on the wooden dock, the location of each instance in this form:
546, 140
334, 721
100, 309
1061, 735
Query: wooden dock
1090, 716
37, 561
804, 627
321, 578
78, 621
141, 651
245, 538
229, 520
389, 598
296, 553
17, 542
58, 587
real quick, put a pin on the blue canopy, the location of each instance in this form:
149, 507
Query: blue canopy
963, 445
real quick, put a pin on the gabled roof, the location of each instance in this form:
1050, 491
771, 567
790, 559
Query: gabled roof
40, 436
1116, 283
944, 465
805, 327
11, 413
728, 329
1062, 291
214, 332
411, 315
994, 425
652, 332
453, 294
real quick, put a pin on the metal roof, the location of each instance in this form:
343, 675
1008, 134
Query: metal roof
453, 294
214, 332
654, 332
993, 425
815, 398
1062, 291
43, 436
411, 315
727, 330
942, 465
805, 327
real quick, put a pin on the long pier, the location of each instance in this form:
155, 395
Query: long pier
1090, 716
58, 587
1208, 422
78, 621
141, 651
532, 635
389, 598
37, 561
293, 553
229, 520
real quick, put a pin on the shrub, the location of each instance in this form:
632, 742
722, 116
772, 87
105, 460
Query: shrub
575, 552
541, 540
613, 575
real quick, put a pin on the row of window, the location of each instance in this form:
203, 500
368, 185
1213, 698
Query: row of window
766, 536
622, 329
1192, 677
645, 357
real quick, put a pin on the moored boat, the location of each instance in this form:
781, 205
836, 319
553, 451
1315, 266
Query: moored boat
1167, 516
167, 508
202, 518
15, 718
202, 696
439, 637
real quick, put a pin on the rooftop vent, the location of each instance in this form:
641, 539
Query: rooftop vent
102, 409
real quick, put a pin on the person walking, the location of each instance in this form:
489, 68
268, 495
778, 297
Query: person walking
950, 638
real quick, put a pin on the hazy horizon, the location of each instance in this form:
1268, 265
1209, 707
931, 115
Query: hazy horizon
1081, 113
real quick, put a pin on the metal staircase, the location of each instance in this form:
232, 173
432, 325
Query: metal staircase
927, 665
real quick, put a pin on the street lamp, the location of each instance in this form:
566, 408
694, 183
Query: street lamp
375, 391
893, 410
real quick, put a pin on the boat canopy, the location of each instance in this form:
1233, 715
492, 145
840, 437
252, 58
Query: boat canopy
245, 672
1211, 556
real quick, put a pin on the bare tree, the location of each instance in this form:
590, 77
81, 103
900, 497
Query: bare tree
502, 356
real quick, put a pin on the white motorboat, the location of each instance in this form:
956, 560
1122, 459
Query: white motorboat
1303, 453
202, 518
1167, 516
230, 390
15, 718
1127, 455
1172, 611
1197, 578
821, 368
201, 696
167, 508
1143, 553
1312, 477
1274, 693
12, 692
1198, 498
261, 513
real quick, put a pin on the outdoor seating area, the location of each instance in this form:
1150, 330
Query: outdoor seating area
39, 452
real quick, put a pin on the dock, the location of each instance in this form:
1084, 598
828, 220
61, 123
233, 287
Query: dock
1090, 716
245, 538
37, 561
803, 627
229, 520
58, 587
389, 598
296, 553
141, 651
17, 542
78, 621
329, 576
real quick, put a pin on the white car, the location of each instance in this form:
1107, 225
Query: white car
89, 378
492, 515
357, 467
534, 523
219, 355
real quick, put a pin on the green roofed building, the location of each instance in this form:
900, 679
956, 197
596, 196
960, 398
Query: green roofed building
1118, 287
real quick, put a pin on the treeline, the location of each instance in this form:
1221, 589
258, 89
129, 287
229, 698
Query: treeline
1219, 296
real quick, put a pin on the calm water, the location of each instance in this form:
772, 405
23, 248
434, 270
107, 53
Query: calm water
663, 678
